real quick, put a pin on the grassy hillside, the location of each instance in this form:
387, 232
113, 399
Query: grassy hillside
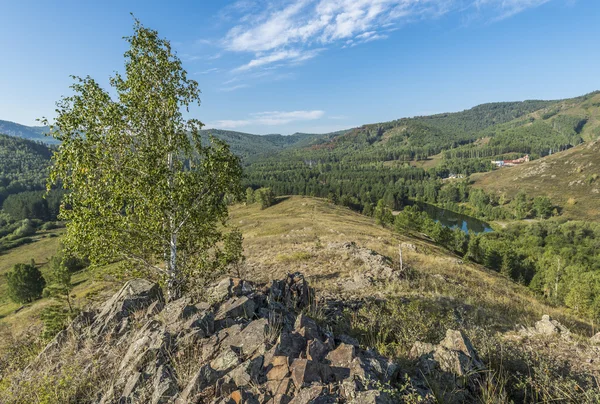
87, 283
570, 178
307, 235
351, 262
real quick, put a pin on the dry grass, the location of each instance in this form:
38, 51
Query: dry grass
569, 178
294, 235
88, 284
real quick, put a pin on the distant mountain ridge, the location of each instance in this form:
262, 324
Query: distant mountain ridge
245, 145
532, 126
35, 133
248, 146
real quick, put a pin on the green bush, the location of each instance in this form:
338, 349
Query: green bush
25, 283
25, 229
265, 196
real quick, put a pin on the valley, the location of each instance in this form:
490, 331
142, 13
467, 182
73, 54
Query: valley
405, 230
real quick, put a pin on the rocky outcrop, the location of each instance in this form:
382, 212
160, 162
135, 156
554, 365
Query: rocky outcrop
249, 345
548, 327
375, 267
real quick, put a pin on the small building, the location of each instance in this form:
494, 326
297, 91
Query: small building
511, 163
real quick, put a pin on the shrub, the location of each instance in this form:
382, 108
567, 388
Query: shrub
265, 196
49, 226
25, 229
25, 283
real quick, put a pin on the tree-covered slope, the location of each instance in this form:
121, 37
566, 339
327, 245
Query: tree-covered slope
248, 146
23, 165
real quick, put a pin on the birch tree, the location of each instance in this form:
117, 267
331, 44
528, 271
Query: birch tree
142, 187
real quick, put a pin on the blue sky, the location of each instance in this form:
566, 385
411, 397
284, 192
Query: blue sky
311, 65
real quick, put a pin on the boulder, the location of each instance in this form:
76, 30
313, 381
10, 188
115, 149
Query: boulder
290, 344
226, 360
308, 395
547, 326
307, 327
236, 355
243, 397
251, 338
164, 386
202, 379
316, 350
279, 368
454, 354
342, 356
230, 287
595, 339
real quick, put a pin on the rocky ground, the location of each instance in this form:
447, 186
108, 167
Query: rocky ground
249, 344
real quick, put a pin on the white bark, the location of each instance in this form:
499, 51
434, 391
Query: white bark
173, 282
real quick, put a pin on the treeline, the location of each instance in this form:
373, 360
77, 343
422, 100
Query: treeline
33, 205
538, 138
360, 187
556, 258
25, 213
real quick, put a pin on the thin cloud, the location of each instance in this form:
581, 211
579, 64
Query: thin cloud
502, 9
233, 88
268, 118
291, 31
289, 56
213, 70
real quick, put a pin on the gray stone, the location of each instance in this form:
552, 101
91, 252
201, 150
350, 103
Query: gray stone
136, 294
420, 348
547, 326
203, 378
456, 355
131, 386
235, 308
164, 386
316, 350
308, 395
305, 372
342, 356
290, 345
307, 327
250, 339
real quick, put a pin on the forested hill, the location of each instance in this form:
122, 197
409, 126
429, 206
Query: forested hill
247, 146
23, 165
26, 132
533, 127
411, 158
